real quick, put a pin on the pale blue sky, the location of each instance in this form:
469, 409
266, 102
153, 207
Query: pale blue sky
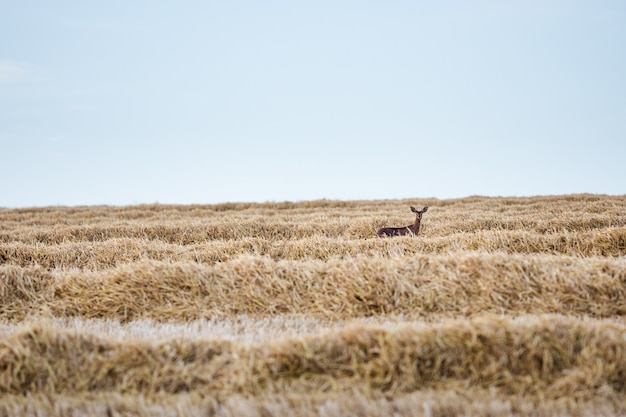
126, 102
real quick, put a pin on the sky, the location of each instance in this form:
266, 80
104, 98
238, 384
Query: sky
203, 102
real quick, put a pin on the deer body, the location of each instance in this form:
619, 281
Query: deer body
411, 230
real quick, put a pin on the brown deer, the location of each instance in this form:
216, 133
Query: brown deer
412, 230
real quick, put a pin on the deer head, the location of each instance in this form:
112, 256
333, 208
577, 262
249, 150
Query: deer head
419, 212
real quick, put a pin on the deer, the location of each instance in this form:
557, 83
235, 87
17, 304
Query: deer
411, 230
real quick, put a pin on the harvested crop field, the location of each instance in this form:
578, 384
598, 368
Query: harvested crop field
499, 307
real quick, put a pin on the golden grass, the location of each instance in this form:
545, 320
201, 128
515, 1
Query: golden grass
420, 287
530, 360
501, 306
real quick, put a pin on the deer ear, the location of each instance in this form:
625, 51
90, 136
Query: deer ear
424, 209
413, 209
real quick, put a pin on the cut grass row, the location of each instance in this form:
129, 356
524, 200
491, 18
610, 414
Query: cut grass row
349, 220
189, 231
422, 286
426, 403
118, 251
540, 357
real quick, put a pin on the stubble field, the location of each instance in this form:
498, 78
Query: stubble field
500, 307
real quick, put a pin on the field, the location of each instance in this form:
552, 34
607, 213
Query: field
500, 307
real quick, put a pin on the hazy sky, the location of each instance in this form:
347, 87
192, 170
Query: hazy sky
126, 102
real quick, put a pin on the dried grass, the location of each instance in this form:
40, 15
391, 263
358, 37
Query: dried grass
536, 358
501, 307
422, 286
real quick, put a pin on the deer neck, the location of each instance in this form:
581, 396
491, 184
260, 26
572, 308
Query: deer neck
415, 227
